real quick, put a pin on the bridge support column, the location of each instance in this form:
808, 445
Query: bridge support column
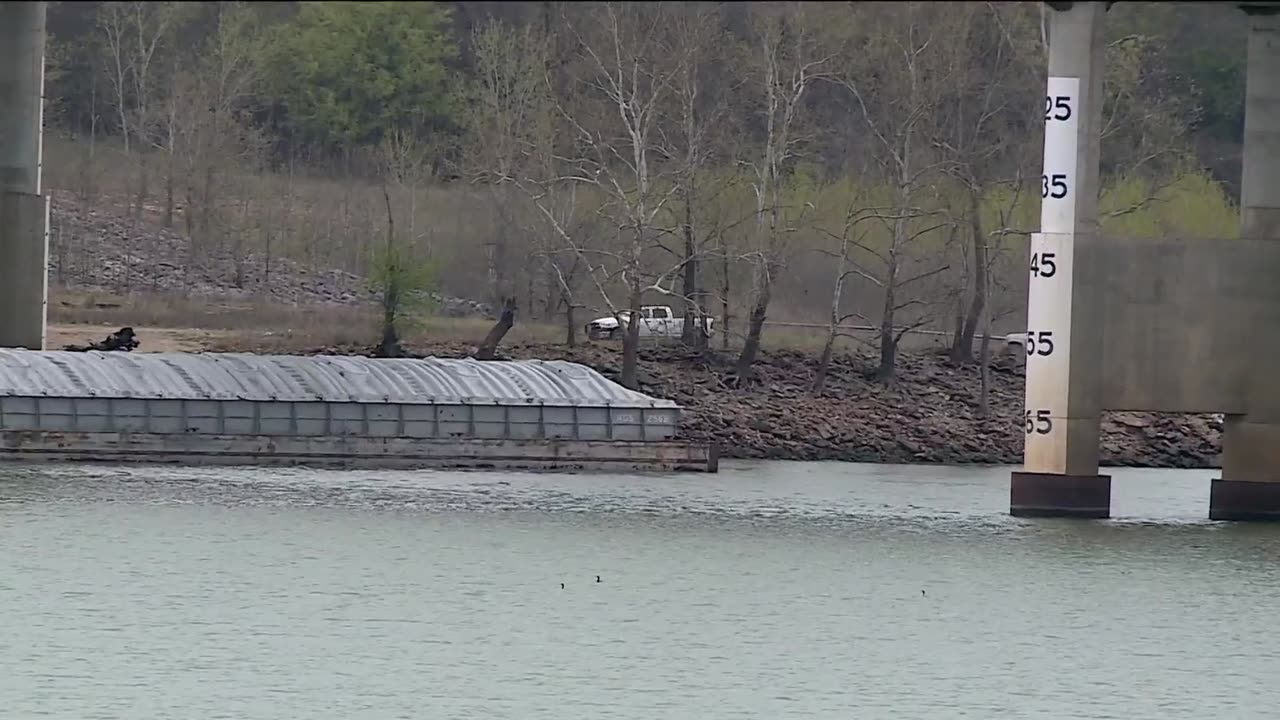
1249, 488
1063, 381
24, 239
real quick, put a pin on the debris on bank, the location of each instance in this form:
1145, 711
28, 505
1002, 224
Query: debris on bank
122, 340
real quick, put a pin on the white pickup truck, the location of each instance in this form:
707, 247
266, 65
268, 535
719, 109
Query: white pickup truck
655, 321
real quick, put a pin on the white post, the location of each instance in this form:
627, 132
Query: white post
1049, 291
1061, 416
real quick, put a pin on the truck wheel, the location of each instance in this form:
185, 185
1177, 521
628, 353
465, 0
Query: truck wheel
615, 334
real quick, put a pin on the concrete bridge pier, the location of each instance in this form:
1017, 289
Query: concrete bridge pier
1064, 317
1249, 488
24, 212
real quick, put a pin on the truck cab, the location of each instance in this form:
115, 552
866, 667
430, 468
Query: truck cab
655, 321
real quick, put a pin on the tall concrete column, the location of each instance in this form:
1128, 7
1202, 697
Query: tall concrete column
1249, 488
24, 239
1064, 348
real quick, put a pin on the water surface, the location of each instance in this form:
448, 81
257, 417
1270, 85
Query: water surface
779, 590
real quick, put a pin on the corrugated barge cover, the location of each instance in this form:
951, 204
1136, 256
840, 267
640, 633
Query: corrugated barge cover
323, 378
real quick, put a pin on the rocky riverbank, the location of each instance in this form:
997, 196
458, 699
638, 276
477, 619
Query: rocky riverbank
93, 248
929, 415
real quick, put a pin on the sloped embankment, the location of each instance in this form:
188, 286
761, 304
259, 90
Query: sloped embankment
94, 248
929, 415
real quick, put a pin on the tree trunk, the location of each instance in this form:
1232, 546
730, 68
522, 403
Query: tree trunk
824, 363
837, 289
724, 300
889, 342
631, 339
169, 170
554, 292
168, 198
188, 210
570, 323
963, 351
86, 178
240, 252
489, 348
984, 356
755, 327
206, 200
957, 324
528, 288
694, 332
142, 183
390, 344
984, 362
491, 266
266, 261
128, 255
958, 304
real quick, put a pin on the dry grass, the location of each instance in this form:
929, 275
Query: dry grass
168, 322
154, 340
158, 310
257, 323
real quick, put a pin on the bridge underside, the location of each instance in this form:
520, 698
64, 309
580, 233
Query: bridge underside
1165, 325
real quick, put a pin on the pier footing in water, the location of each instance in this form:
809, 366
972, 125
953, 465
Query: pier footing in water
1244, 500
1053, 495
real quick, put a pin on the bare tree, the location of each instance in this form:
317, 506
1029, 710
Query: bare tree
171, 133
788, 62
402, 275
996, 252
625, 72
1145, 128
845, 268
131, 36
137, 36
508, 99
698, 43
210, 133
896, 102
488, 347
113, 24
567, 217
517, 139
618, 78
974, 129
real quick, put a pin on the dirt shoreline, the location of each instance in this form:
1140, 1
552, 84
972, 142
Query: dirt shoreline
930, 415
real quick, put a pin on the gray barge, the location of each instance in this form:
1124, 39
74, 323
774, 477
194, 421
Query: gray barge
231, 408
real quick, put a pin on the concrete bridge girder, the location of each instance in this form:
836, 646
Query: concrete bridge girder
24, 241
1168, 325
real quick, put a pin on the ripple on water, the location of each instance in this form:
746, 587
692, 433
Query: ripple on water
771, 590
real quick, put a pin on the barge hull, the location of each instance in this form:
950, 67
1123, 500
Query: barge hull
356, 452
